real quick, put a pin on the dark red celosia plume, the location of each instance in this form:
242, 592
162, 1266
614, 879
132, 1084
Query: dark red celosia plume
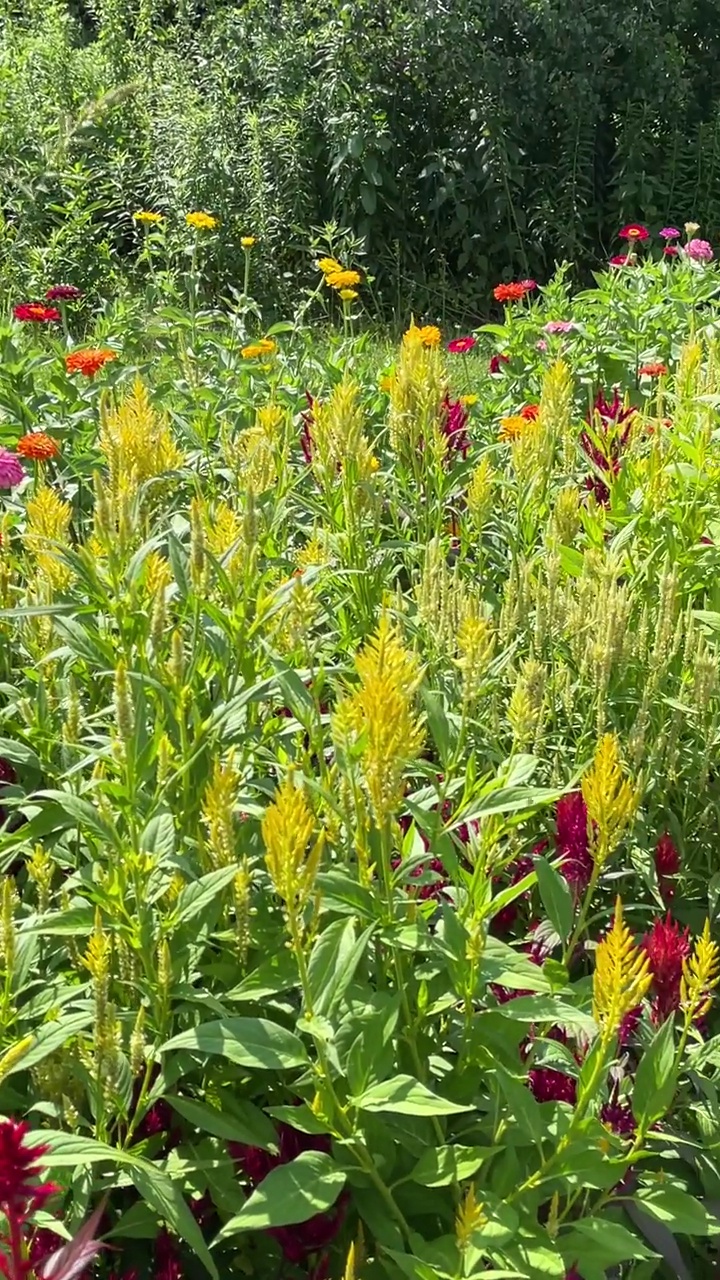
7, 777
666, 946
453, 421
609, 427
667, 863
305, 1238
22, 1192
572, 841
549, 1085
505, 918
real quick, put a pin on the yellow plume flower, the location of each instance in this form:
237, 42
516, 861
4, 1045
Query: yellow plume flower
700, 975
136, 442
469, 1217
292, 855
48, 522
621, 976
384, 705
610, 797
218, 811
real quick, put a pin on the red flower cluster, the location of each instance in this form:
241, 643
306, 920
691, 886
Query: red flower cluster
299, 1241
667, 946
572, 841
667, 863
610, 423
21, 1191
549, 1085
63, 293
530, 412
36, 312
496, 363
652, 370
453, 421
513, 292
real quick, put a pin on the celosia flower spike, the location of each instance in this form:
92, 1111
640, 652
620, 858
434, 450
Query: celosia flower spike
291, 857
621, 977
700, 976
611, 799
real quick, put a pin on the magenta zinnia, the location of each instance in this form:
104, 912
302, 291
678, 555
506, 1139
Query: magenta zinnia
12, 470
460, 346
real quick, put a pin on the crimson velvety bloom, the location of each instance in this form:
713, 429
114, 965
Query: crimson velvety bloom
22, 1191
667, 863
549, 1085
299, 1241
634, 231
37, 312
497, 361
460, 346
612, 423
657, 370
666, 946
671, 251
530, 412
453, 421
572, 841
619, 1117
505, 918
63, 293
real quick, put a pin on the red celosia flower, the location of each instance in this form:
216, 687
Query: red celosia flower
619, 1117
666, 946
667, 857
37, 446
459, 346
509, 292
530, 412
63, 293
21, 1192
573, 1274
505, 918
497, 361
89, 361
611, 424
453, 421
621, 260
167, 1258
36, 312
549, 1085
671, 251
629, 1026
634, 231
572, 841
652, 370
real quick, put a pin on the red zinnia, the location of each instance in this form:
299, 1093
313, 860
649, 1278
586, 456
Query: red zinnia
63, 293
21, 1192
509, 292
634, 231
621, 260
89, 361
667, 947
530, 412
37, 446
671, 251
35, 311
459, 346
652, 370
496, 363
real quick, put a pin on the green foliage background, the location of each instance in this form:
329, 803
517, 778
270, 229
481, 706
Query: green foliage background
461, 141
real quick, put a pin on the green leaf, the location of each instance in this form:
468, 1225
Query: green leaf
18, 753
250, 1042
604, 1241
275, 974
51, 1036
556, 898
656, 1078
195, 897
158, 836
246, 1123
407, 1097
84, 814
290, 1194
438, 1167
678, 1210
545, 1008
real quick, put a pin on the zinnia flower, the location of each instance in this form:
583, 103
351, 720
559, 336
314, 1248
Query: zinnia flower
622, 260
671, 251
669, 233
329, 266
342, 279
89, 360
63, 293
37, 446
529, 285
509, 292
513, 426
531, 412
11, 469
572, 841
652, 370
36, 312
21, 1191
428, 335
263, 347
148, 217
496, 363
247, 242
634, 231
348, 295
667, 947
460, 346
691, 228
699, 250
559, 326
201, 221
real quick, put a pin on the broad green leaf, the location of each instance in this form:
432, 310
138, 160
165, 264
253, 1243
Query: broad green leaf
250, 1042
246, 1123
275, 974
605, 1242
158, 836
195, 897
405, 1096
545, 1008
556, 898
656, 1078
84, 814
52, 1036
439, 1166
678, 1210
290, 1194
18, 753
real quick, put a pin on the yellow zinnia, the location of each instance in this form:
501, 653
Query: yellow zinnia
145, 215
252, 351
342, 279
267, 346
201, 221
247, 242
329, 265
513, 427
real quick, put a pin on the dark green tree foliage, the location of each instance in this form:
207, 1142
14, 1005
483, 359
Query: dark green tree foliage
463, 140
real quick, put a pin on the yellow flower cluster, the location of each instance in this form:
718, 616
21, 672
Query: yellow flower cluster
427, 336
264, 347
247, 242
147, 217
136, 442
200, 221
513, 427
621, 977
339, 278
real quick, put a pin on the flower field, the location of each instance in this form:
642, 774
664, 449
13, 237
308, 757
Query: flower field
359, 798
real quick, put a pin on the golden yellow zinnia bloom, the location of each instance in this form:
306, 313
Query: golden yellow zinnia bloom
329, 265
247, 242
430, 335
342, 279
512, 427
146, 216
348, 295
201, 221
267, 346
253, 351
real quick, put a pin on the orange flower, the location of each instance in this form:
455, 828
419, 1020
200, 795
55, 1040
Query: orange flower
89, 360
652, 370
512, 427
509, 292
530, 412
37, 446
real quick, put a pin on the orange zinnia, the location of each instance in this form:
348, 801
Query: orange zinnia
89, 360
37, 446
530, 412
509, 292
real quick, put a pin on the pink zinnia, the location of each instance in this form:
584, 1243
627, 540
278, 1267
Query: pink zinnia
669, 233
671, 251
12, 470
63, 293
699, 250
621, 260
459, 346
559, 326
529, 285
667, 946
